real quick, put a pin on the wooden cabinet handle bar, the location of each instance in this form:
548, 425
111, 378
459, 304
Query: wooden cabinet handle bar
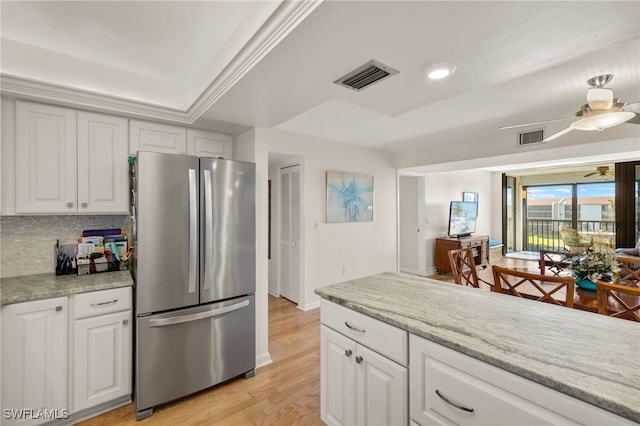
453, 404
105, 303
359, 330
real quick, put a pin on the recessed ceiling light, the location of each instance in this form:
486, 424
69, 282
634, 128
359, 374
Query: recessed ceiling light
439, 71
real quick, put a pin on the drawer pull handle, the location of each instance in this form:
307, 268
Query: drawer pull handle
100, 304
358, 360
359, 330
58, 308
458, 406
347, 352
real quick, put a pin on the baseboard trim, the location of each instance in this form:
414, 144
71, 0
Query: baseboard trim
264, 359
309, 306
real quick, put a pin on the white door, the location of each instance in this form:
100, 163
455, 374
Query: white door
382, 390
46, 169
34, 359
102, 352
103, 169
290, 233
338, 378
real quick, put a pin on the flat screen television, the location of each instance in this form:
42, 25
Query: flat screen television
462, 218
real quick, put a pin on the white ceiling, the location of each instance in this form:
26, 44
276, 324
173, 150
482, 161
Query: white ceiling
229, 66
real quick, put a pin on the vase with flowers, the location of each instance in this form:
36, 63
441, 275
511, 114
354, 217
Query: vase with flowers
594, 264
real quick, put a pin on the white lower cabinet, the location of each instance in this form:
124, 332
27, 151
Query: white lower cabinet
102, 339
448, 387
66, 357
359, 386
34, 361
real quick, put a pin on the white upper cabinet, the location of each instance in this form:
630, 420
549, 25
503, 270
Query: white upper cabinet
103, 168
156, 137
69, 162
46, 155
204, 143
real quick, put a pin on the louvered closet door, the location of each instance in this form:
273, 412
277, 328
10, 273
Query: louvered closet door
290, 233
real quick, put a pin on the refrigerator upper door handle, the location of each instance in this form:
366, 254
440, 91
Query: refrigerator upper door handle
208, 232
161, 322
193, 230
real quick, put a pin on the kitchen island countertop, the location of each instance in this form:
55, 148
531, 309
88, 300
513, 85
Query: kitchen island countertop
45, 286
588, 356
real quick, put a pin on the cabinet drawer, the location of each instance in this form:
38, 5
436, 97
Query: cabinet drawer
381, 337
447, 387
102, 302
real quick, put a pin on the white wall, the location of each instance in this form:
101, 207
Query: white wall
247, 149
336, 252
441, 188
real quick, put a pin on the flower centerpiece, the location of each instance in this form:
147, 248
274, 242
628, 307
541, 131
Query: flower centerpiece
595, 263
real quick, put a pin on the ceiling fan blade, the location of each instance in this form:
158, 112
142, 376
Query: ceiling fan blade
557, 134
591, 174
635, 120
533, 123
632, 106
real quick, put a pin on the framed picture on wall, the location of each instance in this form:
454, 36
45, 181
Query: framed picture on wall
471, 197
349, 197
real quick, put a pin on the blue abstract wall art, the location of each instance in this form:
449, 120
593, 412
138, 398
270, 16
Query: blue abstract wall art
349, 197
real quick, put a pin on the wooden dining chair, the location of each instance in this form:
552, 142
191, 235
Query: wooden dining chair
629, 268
624, 299
463, 266
555, 262
533, 286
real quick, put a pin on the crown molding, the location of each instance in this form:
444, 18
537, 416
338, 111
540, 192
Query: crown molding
286, 17
84, 99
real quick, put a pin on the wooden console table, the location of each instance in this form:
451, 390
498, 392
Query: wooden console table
478, 243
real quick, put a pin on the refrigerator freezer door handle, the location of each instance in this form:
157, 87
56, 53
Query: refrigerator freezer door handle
193, 230
208, 232
161, 322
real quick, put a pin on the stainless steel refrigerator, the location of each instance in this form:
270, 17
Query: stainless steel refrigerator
194, 271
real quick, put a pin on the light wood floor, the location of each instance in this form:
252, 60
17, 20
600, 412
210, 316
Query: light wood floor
286, 392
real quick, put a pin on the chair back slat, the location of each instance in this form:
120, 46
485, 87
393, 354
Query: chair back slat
533, 286
629, 268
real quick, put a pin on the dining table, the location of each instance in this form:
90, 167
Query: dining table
583, 299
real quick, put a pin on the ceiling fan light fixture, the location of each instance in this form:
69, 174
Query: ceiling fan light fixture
440, 71
600, 98
600, 121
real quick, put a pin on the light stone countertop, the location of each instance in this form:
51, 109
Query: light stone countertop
588, 356
45, 286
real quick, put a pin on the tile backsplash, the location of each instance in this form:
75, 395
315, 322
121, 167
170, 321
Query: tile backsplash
26, 242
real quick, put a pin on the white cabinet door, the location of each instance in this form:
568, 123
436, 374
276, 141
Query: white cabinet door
204, 143
102, 366
156, 137
34, 360
103, 170
358, 385
338, 378
45, 159
381, 390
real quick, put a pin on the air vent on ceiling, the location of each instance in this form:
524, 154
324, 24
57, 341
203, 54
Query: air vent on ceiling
530, 138
366, 75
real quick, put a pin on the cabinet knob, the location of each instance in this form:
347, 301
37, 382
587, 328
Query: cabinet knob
84, 204
359, 360
125, 322
58, 308
347, 352
69, 205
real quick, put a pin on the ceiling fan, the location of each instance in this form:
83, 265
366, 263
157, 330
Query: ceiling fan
601, 170
600, 112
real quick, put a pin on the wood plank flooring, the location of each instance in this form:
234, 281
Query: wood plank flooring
286, 392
